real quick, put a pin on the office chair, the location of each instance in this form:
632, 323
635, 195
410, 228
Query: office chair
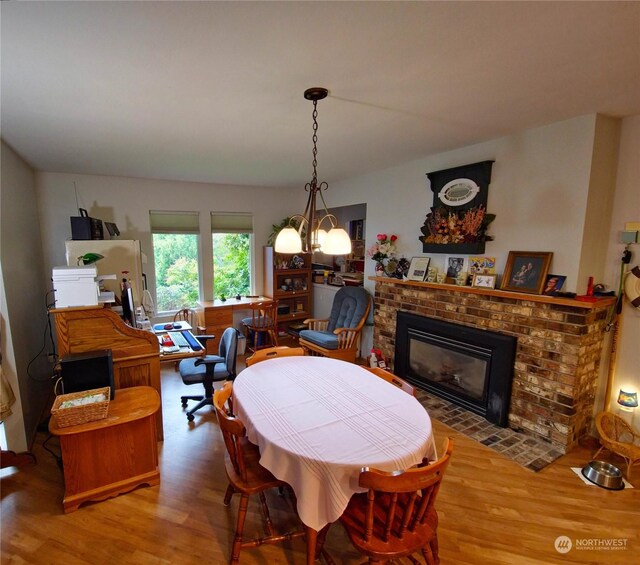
209, 369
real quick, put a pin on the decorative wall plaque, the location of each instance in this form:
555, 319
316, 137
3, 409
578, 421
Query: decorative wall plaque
458, 219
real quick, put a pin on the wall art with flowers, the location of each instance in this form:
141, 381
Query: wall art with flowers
458, 220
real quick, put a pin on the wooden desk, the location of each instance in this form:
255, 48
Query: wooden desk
136, 353
215, 316
108, 457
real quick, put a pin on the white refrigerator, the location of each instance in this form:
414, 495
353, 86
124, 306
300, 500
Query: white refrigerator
119, 255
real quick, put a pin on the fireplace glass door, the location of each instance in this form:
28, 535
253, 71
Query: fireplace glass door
457, 372
468, 366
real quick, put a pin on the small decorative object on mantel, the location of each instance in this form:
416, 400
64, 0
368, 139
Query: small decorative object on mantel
418, 269
553, 284
526, 271
458, 220
382, 251
481, 280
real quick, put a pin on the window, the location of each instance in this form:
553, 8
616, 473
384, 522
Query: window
175, 252
231, 240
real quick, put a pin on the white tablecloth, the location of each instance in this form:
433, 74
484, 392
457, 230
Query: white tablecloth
318, 421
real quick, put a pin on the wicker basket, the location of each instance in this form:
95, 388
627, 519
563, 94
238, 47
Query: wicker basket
76, 415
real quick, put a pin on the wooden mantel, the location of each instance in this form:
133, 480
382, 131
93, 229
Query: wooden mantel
598, 303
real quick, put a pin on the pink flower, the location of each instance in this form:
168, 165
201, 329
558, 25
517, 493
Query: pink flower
393, 237
382, 236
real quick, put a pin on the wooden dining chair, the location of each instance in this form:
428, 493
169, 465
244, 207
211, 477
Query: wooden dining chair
396, 517
393, 379
261, 328
246, 475
274, 353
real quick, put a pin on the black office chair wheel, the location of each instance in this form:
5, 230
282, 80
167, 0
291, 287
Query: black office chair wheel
184, 402
190, 417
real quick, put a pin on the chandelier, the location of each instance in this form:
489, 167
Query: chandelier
310, 235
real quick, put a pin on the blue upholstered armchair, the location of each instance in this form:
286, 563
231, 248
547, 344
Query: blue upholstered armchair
339, 336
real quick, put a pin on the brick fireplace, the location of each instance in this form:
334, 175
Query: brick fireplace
559, 343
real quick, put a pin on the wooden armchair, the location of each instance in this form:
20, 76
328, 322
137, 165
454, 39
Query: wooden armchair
397, 517
618, 437
339, 335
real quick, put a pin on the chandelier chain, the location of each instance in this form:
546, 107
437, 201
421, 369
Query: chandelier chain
314, 179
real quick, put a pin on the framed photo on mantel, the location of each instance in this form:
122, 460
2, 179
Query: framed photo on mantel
526, 271
418, 269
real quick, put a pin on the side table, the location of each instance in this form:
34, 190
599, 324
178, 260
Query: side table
108, 457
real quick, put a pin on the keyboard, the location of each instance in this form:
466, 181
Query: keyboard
185, 339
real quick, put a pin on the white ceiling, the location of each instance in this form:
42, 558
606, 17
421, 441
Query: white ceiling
212, 91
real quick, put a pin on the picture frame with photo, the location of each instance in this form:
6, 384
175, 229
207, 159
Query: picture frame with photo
553, 284
418, 269
482, 265
526, 271
454, 265
482, 280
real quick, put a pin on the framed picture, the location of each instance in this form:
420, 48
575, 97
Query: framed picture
526, 271
453, 266
482, 265
483, 281
553, 284
418, 268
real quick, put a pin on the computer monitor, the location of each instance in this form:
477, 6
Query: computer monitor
129, 308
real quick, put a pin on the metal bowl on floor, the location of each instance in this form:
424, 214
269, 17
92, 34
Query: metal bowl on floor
603, 474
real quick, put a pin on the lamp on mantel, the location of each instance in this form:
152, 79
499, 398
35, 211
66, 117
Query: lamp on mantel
334, 242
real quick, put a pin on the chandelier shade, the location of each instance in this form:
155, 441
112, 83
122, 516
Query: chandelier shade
310, 236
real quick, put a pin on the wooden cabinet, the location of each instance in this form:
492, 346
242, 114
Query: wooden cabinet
108, 457
214, 317
287, 278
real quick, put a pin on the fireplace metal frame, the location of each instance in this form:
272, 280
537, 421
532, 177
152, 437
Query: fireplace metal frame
498, 350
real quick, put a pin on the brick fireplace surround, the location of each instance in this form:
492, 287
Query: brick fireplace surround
560, 341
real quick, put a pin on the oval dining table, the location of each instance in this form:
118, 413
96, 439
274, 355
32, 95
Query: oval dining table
318, 421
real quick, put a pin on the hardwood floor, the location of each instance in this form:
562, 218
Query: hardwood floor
492, 510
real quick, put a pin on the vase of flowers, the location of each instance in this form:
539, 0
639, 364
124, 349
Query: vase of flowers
382, 250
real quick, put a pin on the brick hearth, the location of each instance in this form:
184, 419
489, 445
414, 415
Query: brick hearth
558, 354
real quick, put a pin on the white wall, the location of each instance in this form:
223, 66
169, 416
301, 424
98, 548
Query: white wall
23, 312
626, 208
539, 189
127, 201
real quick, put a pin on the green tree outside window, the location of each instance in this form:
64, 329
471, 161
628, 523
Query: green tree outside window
231, 264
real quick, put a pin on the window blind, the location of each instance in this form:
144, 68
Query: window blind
174, 222
231, 222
